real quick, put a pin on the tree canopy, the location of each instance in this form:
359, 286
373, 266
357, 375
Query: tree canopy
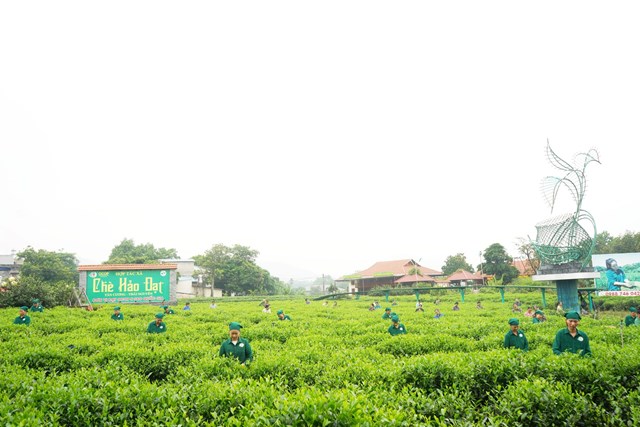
324, 282
127, 252
48, 266
498, 263
525, 247
234, 270
45, 275
625, 243
456, 262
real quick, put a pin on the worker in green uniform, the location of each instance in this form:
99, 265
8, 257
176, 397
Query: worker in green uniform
571, 339
157, 326
168, 310
387, 313
117, 315
539, 317
235, 346
631, 317
36, 306
515, 337
23, 318
283, 316
396, 328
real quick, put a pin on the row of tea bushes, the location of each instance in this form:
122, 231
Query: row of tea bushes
329, 366
113, 395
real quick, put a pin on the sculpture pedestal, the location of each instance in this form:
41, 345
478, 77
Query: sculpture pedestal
567, 287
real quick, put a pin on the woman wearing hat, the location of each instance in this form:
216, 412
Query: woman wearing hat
631, 317
36, 306
23, 318
515, 337
538, 317
283, 316
396, 328
235, 346
571, 339
157, 326
116, 314
168, 310
266, 308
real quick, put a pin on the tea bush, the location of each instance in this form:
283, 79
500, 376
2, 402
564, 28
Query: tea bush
333, 366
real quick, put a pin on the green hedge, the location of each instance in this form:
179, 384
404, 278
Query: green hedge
329, 366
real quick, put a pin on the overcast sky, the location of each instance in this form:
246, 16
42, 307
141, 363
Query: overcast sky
325, 135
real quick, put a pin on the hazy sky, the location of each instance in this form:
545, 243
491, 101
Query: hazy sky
326, 135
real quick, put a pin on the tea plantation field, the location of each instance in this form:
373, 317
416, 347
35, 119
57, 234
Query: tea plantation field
329, 366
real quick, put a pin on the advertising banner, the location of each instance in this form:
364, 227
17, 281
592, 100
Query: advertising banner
619, 274
128, 286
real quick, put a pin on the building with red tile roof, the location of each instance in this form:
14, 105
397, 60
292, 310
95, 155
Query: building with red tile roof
526, 267
464, 278
390, 273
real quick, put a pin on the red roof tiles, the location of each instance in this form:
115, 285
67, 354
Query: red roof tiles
464, 275
396, 268
114, 267
415, 278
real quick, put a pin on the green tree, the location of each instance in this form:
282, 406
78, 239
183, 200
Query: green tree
603, 242
234, 270
525, 247
48, 266
456, 262
498, 263
283, 288
45, 275
127, 252
625, 243
324, 282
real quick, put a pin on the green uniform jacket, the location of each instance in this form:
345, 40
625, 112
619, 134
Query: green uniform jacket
286, 317
397, 331
629, 320
536, 320
517, 341
26, 320
386, 316
241, 350
38, 308
565, 342
169, 311
119, 316
155, 329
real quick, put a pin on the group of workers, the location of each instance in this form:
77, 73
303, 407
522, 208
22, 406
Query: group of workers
23, 318
568, 339
396, 327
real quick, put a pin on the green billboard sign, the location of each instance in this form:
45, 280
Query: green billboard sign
128, 286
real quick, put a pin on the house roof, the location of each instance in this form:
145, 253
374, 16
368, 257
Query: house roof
118, 267
415, 278
465, 275
524, 267
396, 268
